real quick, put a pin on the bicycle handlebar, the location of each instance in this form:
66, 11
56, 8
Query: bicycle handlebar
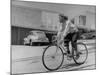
57, 41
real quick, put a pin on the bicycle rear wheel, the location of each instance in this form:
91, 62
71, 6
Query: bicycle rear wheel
52, 58
83, 54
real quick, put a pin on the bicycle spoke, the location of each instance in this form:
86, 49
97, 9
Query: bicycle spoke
82, 53
52, 58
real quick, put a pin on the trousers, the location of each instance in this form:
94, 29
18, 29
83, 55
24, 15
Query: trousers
71, 37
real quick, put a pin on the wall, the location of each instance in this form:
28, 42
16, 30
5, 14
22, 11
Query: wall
40, 19
90, 20
18, 34
34, 18
25, 17
50, 20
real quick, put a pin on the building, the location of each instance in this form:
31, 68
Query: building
27, 16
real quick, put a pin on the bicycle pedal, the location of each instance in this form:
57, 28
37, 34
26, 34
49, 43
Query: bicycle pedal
69, 58
65, 53
80, 52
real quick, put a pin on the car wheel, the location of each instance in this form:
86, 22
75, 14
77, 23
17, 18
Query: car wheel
30, 42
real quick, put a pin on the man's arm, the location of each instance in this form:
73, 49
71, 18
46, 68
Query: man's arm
59, 30
67, 28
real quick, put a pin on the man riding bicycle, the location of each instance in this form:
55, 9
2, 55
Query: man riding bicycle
69, 31
54, 53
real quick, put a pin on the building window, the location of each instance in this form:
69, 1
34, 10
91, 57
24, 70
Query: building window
82, 20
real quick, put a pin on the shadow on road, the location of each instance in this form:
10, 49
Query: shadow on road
71, 66
67, 66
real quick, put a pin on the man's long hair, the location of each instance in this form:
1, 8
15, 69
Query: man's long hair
63, 17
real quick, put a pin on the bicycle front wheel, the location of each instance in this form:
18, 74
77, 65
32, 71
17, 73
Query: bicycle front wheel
52, 58
83, 54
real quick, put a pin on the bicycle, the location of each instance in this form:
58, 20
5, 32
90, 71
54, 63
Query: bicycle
53, 55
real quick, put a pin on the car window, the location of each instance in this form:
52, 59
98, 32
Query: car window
30, 33
37, 33
41, 34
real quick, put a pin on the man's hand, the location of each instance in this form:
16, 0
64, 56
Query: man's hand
60, 40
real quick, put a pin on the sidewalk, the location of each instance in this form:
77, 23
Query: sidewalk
88, 41
21, 52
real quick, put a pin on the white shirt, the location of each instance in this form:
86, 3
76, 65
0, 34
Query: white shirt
67, 28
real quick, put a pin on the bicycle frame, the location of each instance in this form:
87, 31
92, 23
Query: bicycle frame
61, 46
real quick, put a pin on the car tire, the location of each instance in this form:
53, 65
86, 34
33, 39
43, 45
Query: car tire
30, 42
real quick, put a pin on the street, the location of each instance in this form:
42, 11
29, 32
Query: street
33, 64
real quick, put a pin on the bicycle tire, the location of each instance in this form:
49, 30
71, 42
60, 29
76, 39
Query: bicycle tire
75, 60
48, 68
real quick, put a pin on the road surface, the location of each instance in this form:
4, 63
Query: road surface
34, 64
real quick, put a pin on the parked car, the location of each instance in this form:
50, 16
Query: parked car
88, 35
36, 37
